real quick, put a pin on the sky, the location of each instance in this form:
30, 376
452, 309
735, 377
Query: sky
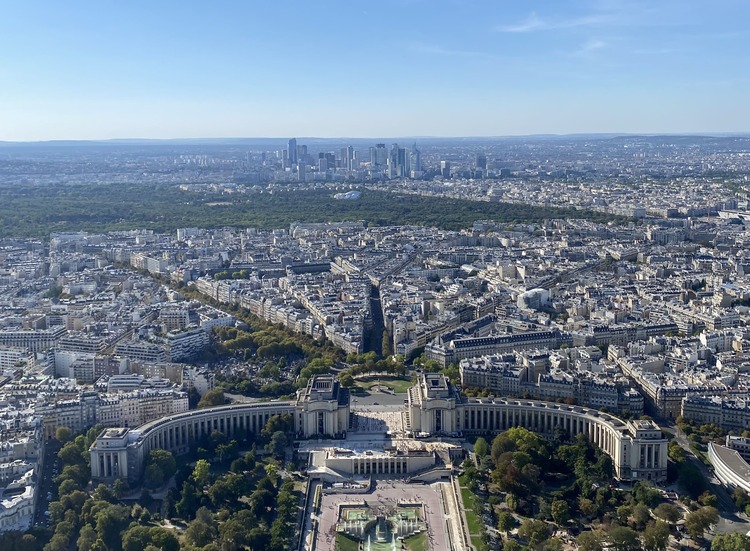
101, 69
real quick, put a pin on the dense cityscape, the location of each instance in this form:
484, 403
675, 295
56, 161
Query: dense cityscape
560, 359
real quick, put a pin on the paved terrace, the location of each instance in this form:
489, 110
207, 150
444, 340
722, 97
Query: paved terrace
388, 494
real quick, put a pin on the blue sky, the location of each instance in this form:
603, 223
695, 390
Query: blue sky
168, 69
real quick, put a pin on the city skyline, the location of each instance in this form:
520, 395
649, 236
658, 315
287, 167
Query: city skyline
398, 68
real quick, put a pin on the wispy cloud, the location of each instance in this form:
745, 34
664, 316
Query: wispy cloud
590, 47
534, 23
593, 45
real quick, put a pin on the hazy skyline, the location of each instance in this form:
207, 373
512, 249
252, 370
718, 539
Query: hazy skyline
93, 70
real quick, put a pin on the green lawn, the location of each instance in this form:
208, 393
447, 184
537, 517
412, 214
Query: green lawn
467, 497
417, 543
345, 543
473, 521
478, 544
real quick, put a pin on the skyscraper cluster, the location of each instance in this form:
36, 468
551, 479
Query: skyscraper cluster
396, 162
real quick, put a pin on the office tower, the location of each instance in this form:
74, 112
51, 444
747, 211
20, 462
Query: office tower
378, 155
301, 171
344, 164
398, 162
445, 169
292, 152
349, 157
393, 161
285, 159
322, 164
481, 163
415, 161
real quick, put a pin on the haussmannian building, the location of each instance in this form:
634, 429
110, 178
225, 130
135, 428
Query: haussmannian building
728, 412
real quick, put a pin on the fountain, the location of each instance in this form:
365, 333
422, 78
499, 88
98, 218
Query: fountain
381, 528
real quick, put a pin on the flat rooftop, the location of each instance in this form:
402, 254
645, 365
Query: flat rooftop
113, 433
733, 460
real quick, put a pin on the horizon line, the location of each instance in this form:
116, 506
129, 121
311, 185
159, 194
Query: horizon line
714, 134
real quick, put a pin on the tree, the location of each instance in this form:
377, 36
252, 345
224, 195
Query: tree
57, 543
277, 445
675, 452
167, 505
346, 379
622, 538
586, 506
27, 542
623, 513
668, 512
104, 493
165, 460
199, 533
741, 498
136, 538
233, 535
731, 542
534, 531
227, 489
641, 516
153, 476
69, 454
481, 447
697, 522
119, 488
276, 423
201, 473
260, 501
506, 522
67, 486
63, 434
269, 371
646, 493
560, 511
86, 538
259, 538
163, 539
708, 499
212, 398
226, 451
110, 522
553, 545
189, 501
590, 541
656, 536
